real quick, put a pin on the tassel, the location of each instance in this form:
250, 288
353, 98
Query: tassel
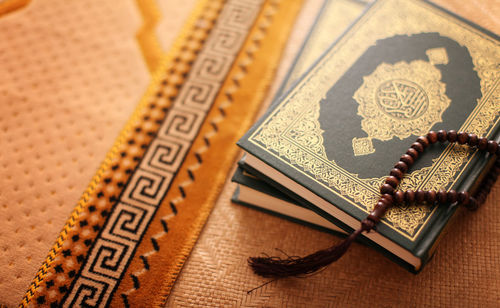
276, 267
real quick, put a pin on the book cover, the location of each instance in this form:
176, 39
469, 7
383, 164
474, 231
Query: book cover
404, 68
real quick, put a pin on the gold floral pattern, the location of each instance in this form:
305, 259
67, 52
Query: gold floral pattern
400, 100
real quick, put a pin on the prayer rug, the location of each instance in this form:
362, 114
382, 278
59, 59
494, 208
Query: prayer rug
73, 72
127, 239
71, 75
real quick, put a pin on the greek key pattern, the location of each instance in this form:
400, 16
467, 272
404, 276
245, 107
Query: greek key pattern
115, 245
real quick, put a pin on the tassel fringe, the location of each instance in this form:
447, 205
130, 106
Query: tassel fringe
276, 267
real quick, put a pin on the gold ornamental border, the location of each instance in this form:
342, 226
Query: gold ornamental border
146, 35
448, 167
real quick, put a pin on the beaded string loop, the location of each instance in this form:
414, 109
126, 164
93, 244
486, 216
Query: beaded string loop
392, 197
276, 267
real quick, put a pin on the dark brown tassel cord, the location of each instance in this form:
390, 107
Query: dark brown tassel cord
276, 267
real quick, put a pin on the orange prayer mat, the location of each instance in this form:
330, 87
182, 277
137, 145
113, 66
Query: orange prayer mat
127, 239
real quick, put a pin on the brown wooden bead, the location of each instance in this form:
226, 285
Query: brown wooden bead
452, 196
496, 170
492, 147
390, 196
393, 181
480, 199
472, 205
480, 194
407, 159
473, 140
483, 143
432, 136
418, 146
413, 153
399, 197
401, 166
423, 140
397, 173
462, 137
378, 212
442, 135
430, 197
452, 136
373, 217
495, 173
420, 196
442, 196
381, 205
388, 199
463, 198
488, 189
386, 189
409, 196
490, 181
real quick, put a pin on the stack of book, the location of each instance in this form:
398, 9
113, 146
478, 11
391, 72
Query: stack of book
347, 112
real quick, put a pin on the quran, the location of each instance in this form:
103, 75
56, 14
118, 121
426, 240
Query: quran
403, 69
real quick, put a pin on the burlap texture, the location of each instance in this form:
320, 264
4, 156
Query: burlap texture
464, 271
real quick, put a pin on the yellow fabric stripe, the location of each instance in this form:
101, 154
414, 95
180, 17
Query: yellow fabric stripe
146, 36
8, 6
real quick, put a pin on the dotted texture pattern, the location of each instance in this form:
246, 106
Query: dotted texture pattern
464, 271
71, 74
83, 268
